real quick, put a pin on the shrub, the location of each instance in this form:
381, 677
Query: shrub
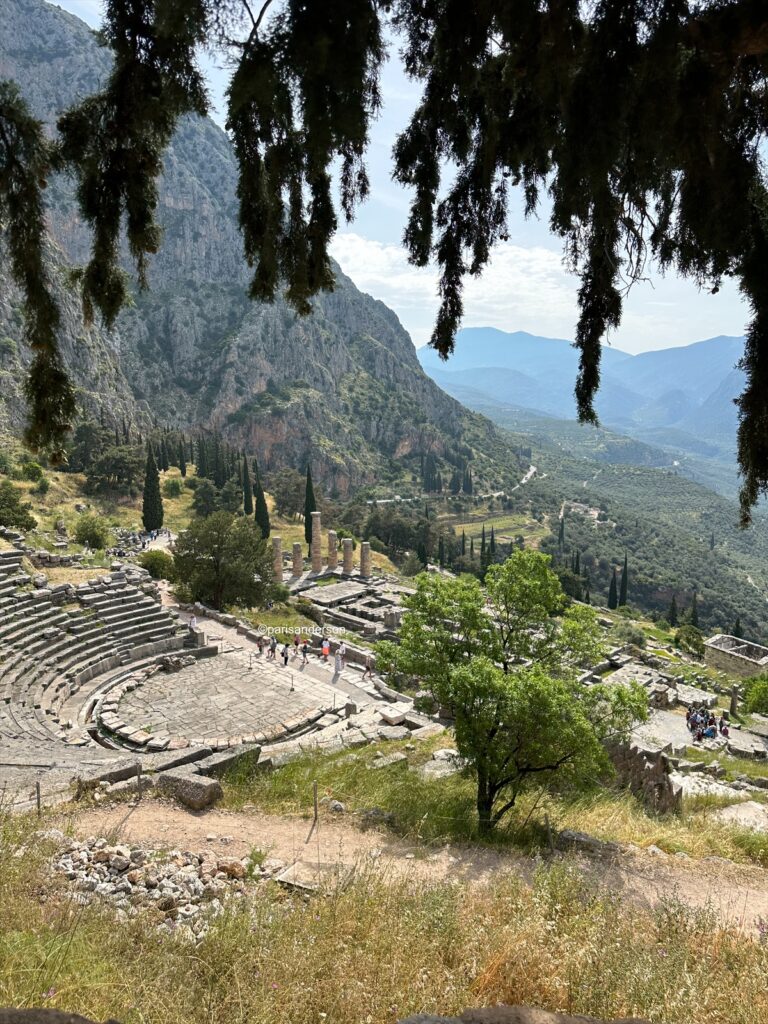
377, 545
690, 639
92, 531
191, 482
159, 564
309, 610
756, 692
43, 485
32, 471
628, 633
173, 488
12, 511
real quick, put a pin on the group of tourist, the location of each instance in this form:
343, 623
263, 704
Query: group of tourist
302, 648
703, 725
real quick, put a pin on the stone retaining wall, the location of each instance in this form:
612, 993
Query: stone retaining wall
647, 774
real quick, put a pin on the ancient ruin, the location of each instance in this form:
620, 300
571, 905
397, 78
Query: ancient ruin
735, 656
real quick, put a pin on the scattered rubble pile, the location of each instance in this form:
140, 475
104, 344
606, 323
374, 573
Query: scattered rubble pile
184, 890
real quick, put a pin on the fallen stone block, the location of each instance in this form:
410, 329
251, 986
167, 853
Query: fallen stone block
389, 760
394, 714
194, 791
240, 757
177, 758
393, 732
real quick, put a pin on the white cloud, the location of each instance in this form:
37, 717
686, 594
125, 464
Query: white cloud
525, 288
521, 288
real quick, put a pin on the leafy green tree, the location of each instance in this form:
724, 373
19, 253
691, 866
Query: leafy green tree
691, 640
14, 512
223, 560
159, 564
288, 490
247, 488
527, 727
232, 496
624, 583
115, 468
206, 498
612, 595
310, 506
92, 531
152, 499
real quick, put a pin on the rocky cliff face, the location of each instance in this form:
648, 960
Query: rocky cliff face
342, 386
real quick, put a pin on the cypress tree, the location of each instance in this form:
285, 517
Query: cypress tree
492, 543
162, 456
421, 552
472, 548
672, 616
463, 543
310, 506
261, 512
182, 459
152, 500
624, 581
736, 628
441, 551
612, 598
247, 489
586, 589
201, 465
482, 543
712, 541
577, 564
695, 611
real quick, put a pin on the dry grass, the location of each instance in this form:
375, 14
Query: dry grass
375, 952
432, 811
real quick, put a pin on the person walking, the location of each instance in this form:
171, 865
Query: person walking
272, 648
304, 652
285, 655
295, 644
343, 654
368, 666
326, 648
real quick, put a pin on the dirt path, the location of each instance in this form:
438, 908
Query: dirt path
736, 893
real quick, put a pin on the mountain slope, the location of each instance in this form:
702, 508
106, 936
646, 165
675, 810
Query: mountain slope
342, 387
678, 398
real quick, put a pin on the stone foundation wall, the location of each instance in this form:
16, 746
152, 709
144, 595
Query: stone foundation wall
647, 774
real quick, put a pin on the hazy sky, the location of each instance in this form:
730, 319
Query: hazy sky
524, 288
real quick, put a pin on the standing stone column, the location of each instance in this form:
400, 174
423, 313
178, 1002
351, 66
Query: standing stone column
346, 543
333, 550
734, 701
277, 558
298, 559
365, 559
317, 543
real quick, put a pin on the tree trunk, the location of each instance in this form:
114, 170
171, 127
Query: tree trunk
484, 807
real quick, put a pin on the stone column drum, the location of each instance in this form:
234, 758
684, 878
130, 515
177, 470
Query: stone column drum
346, 543
277, 558
333, 549
365, 559
317, 543
298, 559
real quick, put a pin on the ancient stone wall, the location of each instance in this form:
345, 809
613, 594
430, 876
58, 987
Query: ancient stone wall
647, 774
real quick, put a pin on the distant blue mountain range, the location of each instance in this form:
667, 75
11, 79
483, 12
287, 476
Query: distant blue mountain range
674, 397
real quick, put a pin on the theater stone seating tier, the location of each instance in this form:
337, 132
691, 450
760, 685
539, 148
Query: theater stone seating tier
50, 650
